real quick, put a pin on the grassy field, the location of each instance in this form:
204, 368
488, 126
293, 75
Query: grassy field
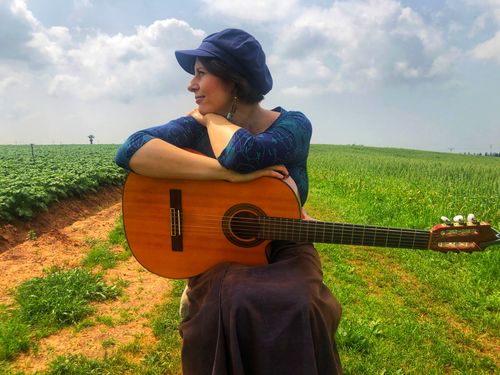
411, 312
404, 311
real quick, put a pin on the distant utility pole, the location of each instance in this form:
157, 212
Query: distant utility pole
91, 139
32, 152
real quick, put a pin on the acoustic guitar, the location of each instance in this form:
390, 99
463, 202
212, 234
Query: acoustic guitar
181, 228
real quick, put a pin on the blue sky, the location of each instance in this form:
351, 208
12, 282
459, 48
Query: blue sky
412, 74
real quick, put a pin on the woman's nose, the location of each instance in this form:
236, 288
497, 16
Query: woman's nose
193, 85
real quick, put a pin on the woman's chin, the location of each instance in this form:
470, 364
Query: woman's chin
205, 110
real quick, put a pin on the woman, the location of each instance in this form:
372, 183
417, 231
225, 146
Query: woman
274, 319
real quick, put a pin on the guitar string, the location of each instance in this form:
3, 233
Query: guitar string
252, 221
332, 236
419, 237
276, 223
253, 227
394, 241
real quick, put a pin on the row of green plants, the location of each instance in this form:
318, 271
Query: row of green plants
32, 177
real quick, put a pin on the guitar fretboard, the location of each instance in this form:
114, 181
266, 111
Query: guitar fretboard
271, 228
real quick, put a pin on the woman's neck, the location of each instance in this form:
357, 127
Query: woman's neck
254, 118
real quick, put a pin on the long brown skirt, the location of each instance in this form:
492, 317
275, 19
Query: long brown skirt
273, 319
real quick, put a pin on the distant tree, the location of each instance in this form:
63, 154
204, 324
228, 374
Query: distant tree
91, 139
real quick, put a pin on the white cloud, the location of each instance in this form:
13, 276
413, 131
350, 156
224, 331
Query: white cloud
124, 66
83, 4
357, 44
255, 11
489, 7
490, 12
101, 65
9, 83
489, 50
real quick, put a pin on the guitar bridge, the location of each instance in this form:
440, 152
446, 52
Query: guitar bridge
176, 219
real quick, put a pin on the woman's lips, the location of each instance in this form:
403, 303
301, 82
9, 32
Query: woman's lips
198, 99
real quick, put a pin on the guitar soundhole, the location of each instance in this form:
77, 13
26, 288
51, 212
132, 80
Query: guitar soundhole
240, 225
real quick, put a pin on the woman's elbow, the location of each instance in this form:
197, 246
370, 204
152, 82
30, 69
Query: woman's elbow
121, 158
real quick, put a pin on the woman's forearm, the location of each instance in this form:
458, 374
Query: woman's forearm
220, 132
161, 159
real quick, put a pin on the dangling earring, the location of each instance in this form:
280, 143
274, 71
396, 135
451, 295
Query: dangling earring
231, 113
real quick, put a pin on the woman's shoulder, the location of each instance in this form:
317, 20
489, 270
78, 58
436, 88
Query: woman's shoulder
295, 117
183, 120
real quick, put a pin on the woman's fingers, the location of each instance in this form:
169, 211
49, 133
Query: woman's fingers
276, 171
195, 113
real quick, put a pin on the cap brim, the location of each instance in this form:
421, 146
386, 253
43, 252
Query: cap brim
187, 58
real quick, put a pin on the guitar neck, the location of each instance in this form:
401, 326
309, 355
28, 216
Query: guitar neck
273, 228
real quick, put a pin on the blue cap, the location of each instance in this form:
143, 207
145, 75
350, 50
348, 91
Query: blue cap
236, 48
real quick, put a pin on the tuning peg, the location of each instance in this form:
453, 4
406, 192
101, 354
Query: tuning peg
458, 219
445, 220
471, 219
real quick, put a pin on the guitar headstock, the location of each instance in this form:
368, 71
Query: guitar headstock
461, 235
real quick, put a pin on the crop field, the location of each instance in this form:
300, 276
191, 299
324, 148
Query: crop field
33, 177
404, 311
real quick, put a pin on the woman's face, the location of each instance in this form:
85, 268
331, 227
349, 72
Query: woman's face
211, 93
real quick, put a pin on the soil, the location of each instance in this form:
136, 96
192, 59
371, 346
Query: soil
58, 215
63, 234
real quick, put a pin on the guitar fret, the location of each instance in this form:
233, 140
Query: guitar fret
277, 228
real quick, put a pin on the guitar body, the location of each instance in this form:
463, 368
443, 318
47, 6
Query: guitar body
181, 228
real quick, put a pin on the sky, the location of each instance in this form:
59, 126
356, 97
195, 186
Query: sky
410, 74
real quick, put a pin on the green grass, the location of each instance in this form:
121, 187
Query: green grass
101, 252
405, 311
14, 334
61, 297
81, 365
163, 359
47, 304
103, 255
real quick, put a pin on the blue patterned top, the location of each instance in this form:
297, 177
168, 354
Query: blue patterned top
286, 142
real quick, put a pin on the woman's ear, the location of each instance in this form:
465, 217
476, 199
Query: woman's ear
235, 90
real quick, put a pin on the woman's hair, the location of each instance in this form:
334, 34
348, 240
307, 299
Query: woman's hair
243, 89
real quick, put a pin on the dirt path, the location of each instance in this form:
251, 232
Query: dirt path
115, 323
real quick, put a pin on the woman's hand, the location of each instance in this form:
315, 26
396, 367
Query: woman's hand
201, 119
220, 130
276, 171
306, 216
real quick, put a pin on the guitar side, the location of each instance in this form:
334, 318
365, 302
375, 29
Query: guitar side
182, 234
